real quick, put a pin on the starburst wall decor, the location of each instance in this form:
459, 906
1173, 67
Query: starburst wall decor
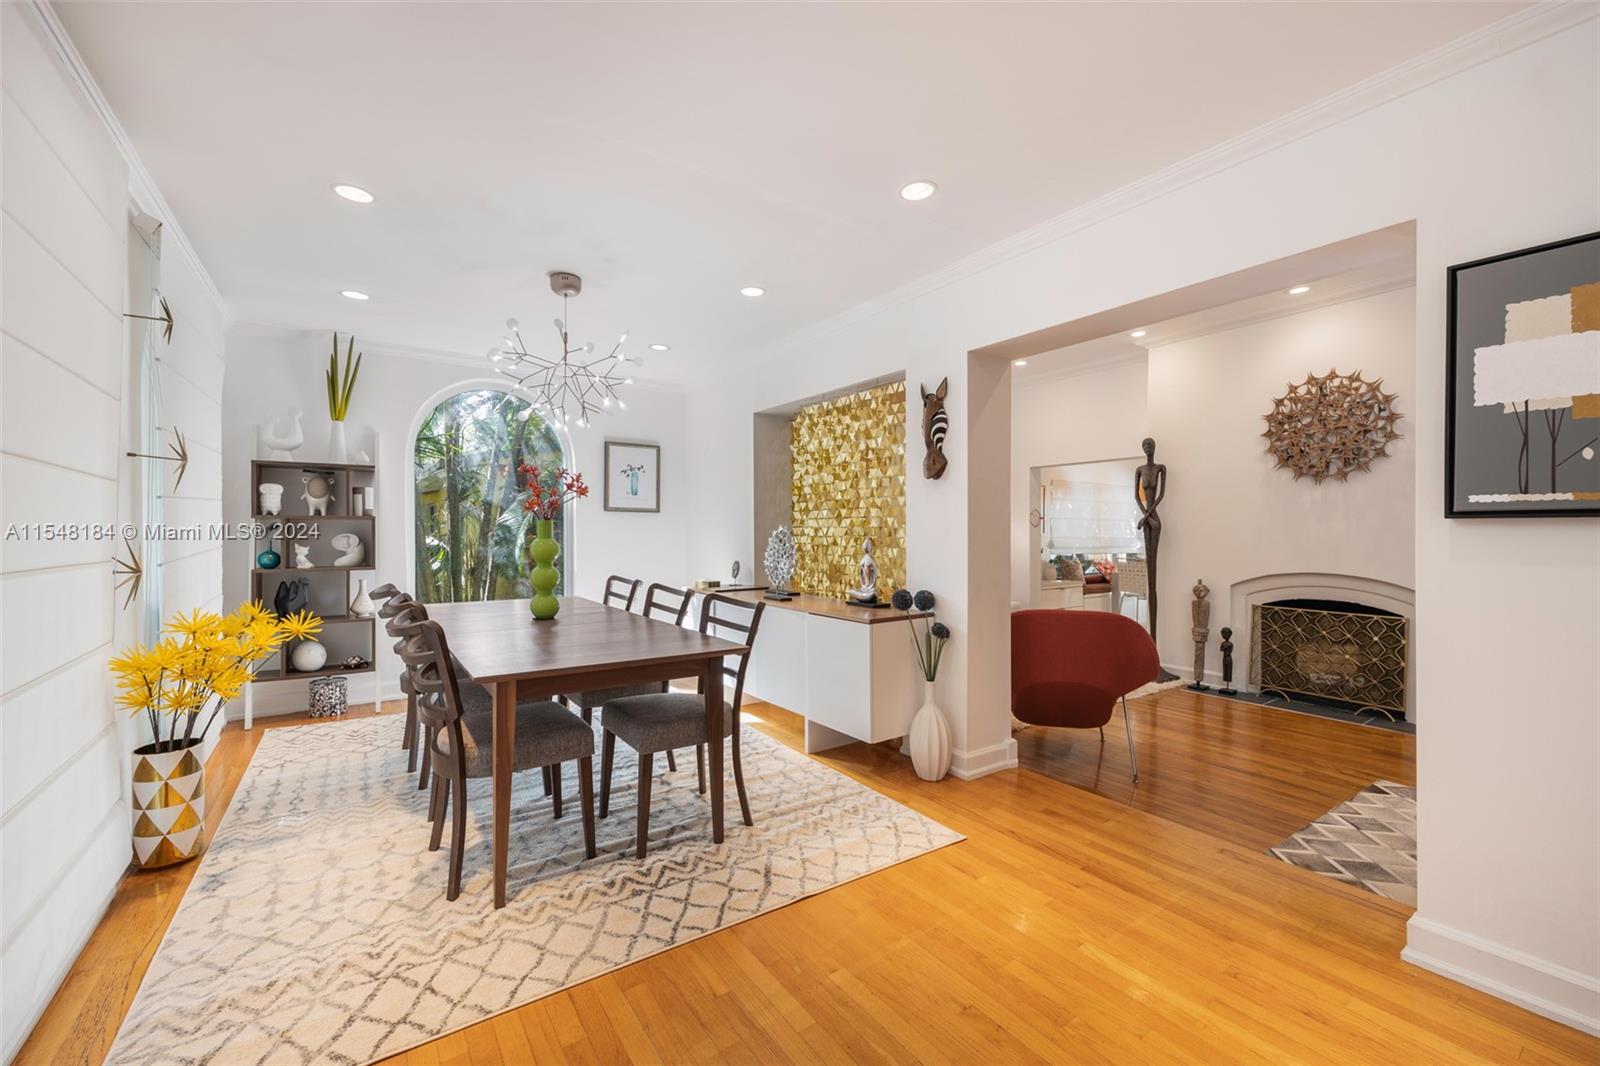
1331, 425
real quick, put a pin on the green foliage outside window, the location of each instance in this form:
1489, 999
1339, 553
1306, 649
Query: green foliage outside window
471, 531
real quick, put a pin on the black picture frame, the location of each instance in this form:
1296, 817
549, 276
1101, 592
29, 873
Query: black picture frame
1453, 339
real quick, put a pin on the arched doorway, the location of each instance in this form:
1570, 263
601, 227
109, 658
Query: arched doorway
470, 532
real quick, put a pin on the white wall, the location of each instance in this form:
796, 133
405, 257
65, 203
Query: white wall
1489, 149
66, 399
273, 370
1067, 415
1229, 515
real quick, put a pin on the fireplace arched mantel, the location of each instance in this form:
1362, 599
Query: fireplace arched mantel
1269, 588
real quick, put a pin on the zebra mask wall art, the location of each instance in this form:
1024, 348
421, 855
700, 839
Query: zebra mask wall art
935, 424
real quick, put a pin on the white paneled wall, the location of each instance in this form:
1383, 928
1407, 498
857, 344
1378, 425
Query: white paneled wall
65, 405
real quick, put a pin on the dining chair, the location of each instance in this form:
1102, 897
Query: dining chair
461, 742
662, 721
385, 595
664, 604
620, 592
400, 610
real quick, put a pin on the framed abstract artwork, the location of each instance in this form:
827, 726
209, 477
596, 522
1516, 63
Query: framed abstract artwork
1522, 383
633, 476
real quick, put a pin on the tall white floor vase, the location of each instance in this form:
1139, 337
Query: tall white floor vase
929, 741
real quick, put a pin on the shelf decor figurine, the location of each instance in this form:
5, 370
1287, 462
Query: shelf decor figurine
292, 596
271, 494
542, 499
866, 593
318, 494
282, 437
1201, 612
341, 384
780, 561
351, 551
204, 661
302, 557
929, 739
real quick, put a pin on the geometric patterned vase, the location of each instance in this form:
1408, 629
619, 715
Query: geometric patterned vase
169, 806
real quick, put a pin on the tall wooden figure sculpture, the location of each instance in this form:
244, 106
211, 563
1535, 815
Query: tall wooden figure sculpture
1149, 488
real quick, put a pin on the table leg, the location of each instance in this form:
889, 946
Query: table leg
505, 727
712, 676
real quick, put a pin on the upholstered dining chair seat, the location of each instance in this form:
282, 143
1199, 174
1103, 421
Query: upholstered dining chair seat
661, 721
546, 733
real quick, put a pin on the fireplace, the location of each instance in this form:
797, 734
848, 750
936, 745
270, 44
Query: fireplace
1351, 654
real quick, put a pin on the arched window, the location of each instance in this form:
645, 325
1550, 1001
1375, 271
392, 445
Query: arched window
471, 532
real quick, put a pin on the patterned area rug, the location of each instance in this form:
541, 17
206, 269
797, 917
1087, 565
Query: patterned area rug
317, 930
1370, 840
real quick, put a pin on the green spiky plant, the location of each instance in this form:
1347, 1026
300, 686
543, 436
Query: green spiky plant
341, 385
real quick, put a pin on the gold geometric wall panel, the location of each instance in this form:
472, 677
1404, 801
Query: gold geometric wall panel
849, 483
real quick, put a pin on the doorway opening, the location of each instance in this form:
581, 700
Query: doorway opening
1184, 382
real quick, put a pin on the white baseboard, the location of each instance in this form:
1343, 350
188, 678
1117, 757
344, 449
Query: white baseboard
968, 765
1557, 992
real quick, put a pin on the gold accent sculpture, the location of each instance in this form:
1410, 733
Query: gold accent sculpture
1331, 425
848, 484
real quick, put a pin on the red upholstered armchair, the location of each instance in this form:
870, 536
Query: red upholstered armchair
1069, 668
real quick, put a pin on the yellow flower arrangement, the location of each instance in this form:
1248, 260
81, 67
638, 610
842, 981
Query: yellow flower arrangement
203, 659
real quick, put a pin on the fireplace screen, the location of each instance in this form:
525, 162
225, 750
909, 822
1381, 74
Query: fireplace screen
1345, 652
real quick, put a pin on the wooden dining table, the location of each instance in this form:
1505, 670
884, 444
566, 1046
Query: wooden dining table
587, 646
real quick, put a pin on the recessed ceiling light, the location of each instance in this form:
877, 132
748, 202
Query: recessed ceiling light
1019, 362
1136, 334
752, 290
1299, 290
353, 294
661, 347
918, 190
354, 193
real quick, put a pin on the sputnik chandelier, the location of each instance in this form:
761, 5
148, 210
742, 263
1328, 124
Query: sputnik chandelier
568, 388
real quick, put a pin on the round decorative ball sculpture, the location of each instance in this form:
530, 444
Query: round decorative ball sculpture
308, 655
1331, 425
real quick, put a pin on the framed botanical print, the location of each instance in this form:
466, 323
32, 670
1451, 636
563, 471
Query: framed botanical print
1522, 380
633, 476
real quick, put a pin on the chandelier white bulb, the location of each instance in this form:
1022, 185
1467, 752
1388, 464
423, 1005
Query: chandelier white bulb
563, 389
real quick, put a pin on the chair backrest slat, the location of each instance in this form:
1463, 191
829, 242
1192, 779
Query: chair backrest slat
620, 592
666, 604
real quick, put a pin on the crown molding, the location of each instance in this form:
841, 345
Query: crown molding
142, 188
1499, 38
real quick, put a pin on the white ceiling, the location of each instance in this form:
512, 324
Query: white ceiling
673, 153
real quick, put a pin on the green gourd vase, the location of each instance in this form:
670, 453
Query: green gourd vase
544, 576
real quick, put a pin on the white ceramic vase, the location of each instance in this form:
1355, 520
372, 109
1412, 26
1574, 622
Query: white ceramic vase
308, 655
929, 741
337, 451
362, 606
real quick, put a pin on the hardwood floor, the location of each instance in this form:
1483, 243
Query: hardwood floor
1072, 925
1241, 772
